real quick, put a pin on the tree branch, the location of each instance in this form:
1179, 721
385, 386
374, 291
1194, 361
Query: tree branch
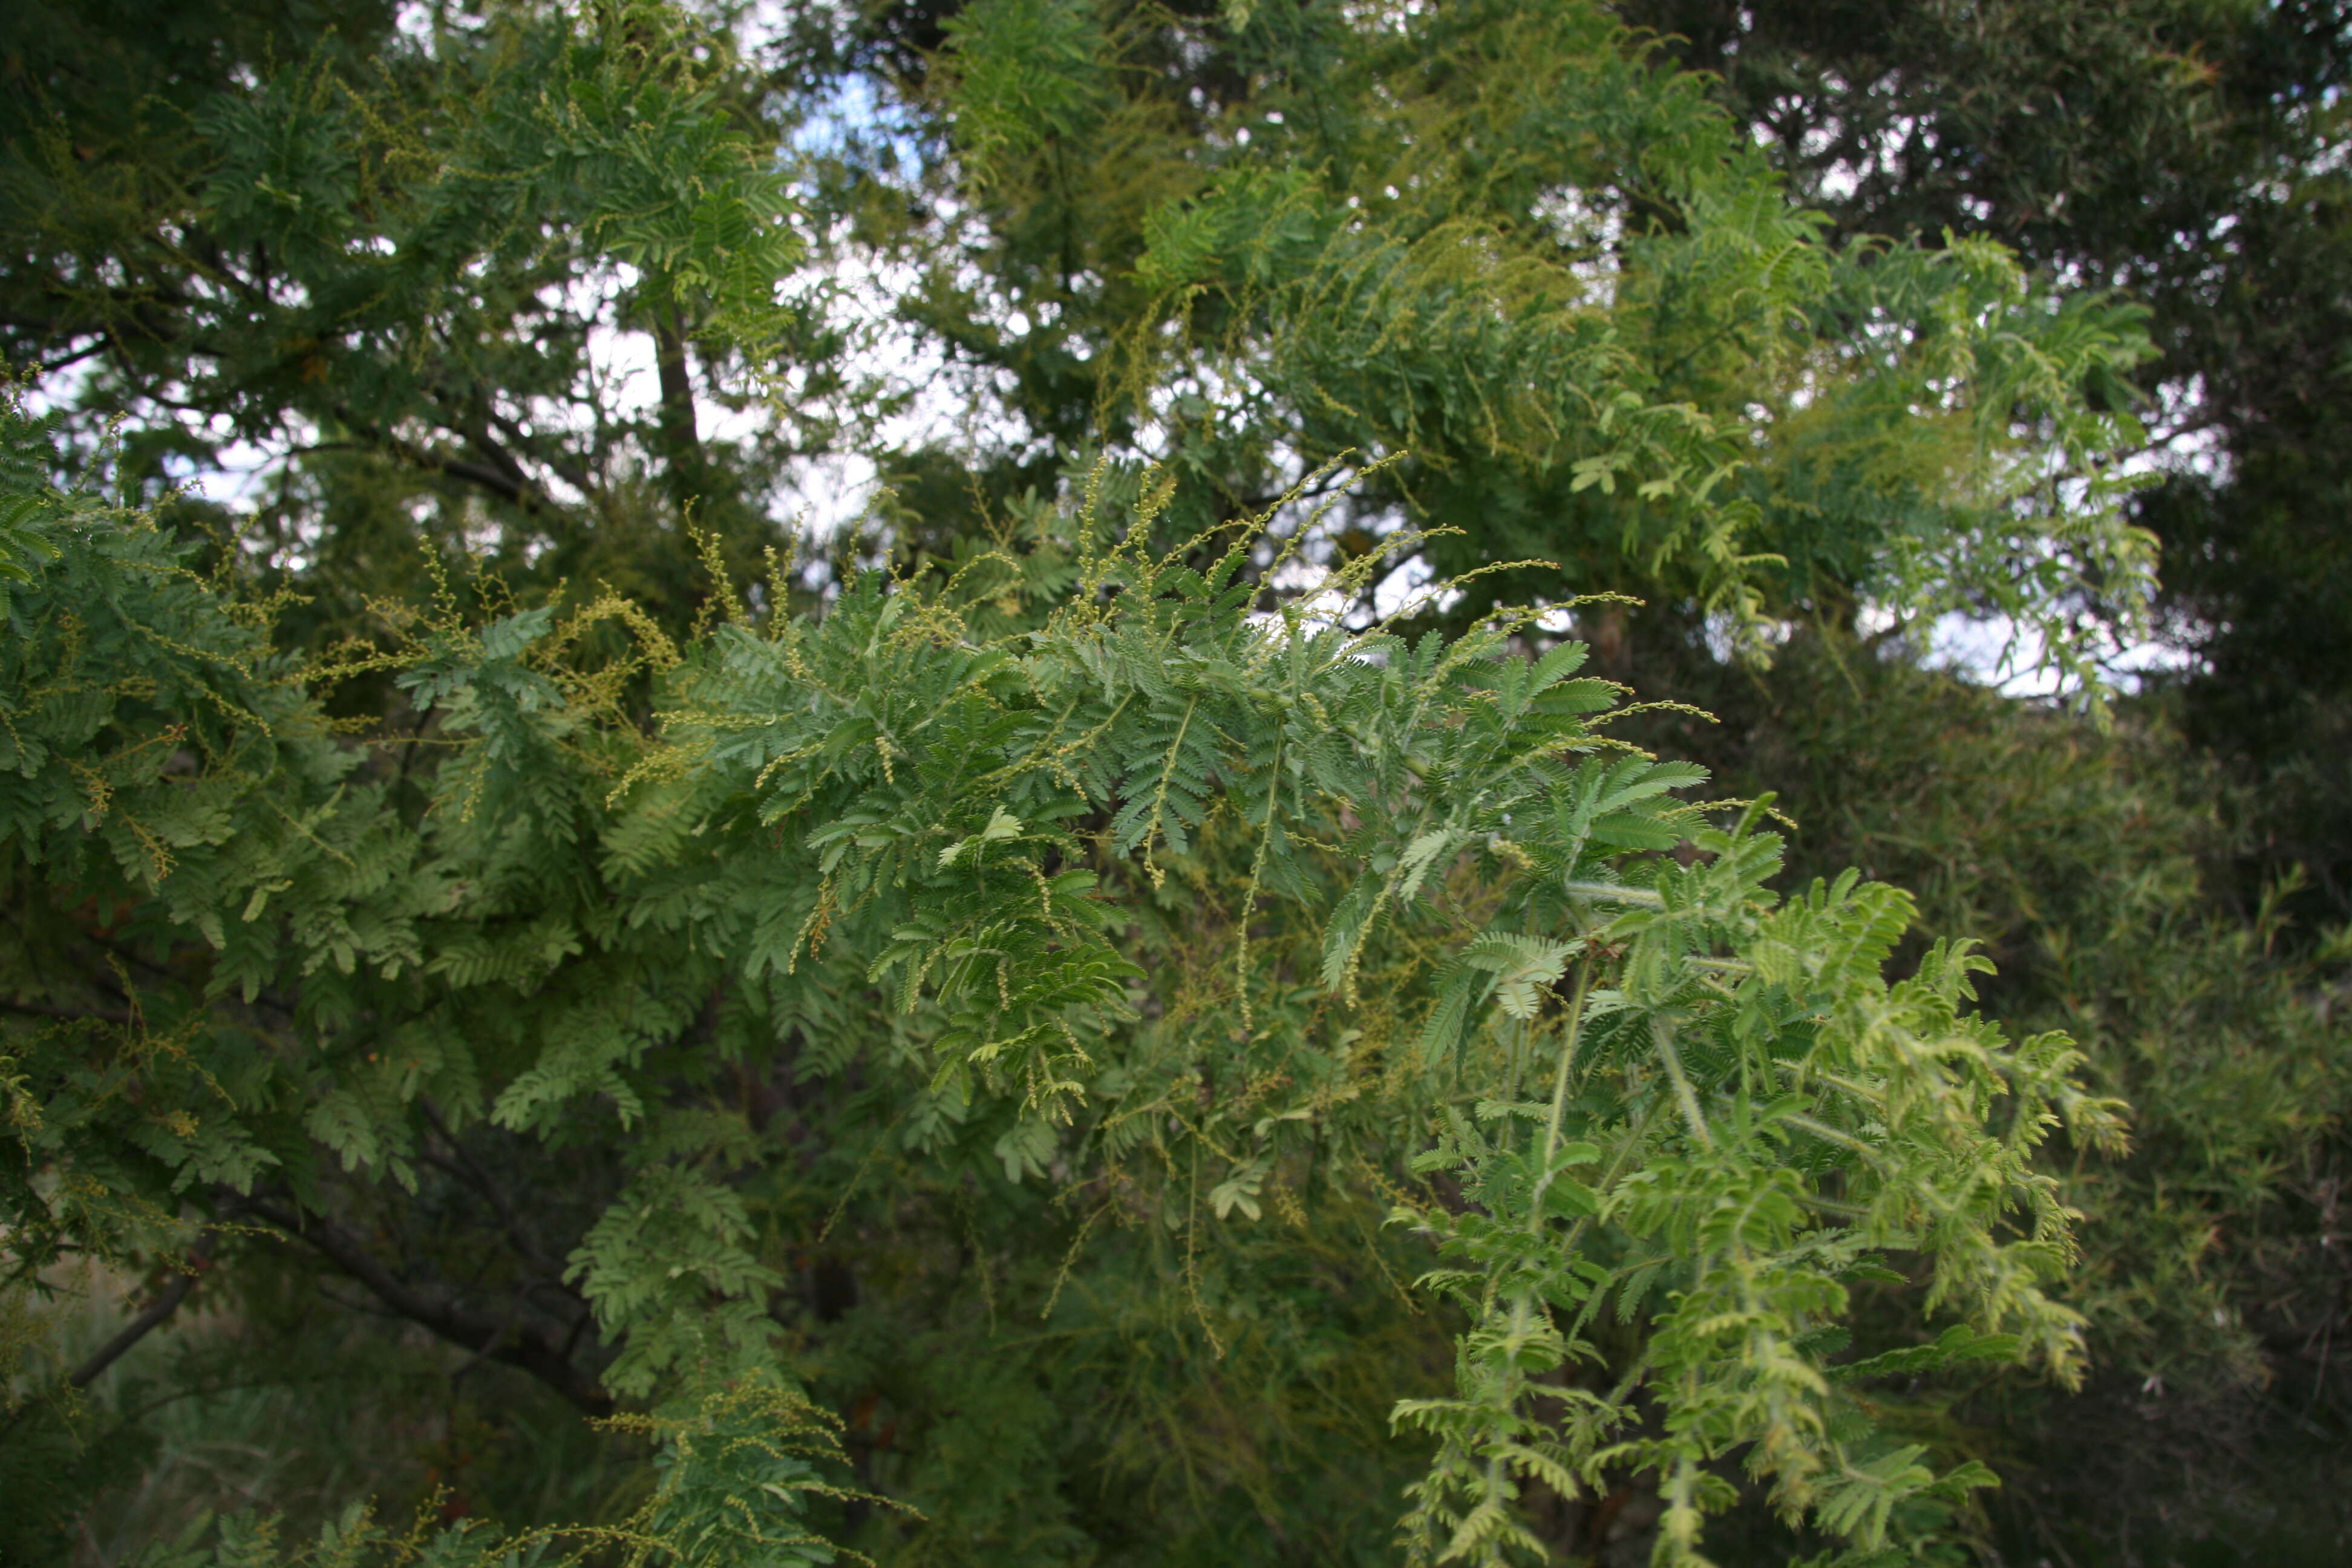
521, 493
146, 1323
165, 1303
50, 367
571, 474
527, 1350
681, 442
70, 1014
466, 1169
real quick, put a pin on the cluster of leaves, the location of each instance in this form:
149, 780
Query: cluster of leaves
1836, 1072
403, 264
736, 1474
1503, 240
2212, 1281
2193, 154
921, 857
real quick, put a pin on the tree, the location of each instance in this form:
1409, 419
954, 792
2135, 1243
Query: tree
1148, 858
594, 923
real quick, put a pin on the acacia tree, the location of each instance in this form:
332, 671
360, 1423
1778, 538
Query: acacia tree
1110, 914
1412, 894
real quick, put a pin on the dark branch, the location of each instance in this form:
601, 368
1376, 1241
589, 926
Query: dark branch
139, 1328
523, 493
71, 1015
462, 1165
50, 367
571, 474
146, 1323
525, 1348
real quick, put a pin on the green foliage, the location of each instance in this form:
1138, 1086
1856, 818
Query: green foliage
2192, 154
30, 499
480, 921
1557, 278
2207, 1249
735, 1474
1026, 74
872, 798
402, 263
1714, 1236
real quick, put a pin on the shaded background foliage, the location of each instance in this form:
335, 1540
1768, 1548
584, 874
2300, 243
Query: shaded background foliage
1060, 209
2192, 155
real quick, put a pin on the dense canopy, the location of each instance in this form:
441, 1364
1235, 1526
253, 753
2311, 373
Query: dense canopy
1056, 782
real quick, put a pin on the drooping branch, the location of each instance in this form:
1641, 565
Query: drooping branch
519, 492
571, 474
